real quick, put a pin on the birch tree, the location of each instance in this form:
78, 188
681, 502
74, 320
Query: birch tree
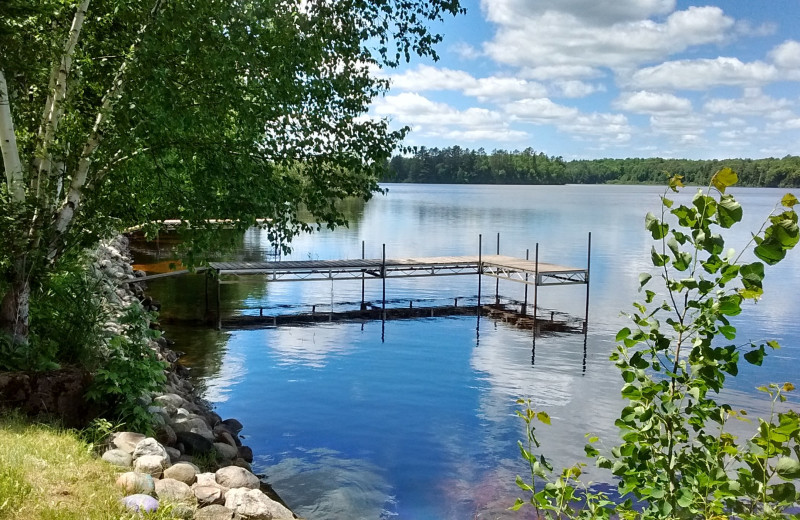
119, 112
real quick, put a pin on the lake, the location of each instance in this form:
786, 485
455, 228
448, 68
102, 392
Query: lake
414, 419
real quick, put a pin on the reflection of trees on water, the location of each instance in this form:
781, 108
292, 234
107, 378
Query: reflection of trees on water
352, 209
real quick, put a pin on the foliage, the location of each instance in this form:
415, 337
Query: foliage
97, 433
456, 165
676, 458
128, 112
129, 371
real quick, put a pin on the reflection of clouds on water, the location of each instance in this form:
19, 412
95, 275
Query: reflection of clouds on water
321, 483
310, 346
232, 369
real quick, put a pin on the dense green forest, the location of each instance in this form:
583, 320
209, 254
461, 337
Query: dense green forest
456, 165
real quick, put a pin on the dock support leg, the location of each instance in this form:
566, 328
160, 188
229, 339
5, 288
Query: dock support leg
480, 273
588, 268
497, 280
363, 305
383, 277
525, 299
206, 297
535, 288
219, 312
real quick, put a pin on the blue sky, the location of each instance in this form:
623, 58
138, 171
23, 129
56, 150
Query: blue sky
609, 78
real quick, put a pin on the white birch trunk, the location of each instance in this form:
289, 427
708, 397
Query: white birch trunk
56, 97
8, 144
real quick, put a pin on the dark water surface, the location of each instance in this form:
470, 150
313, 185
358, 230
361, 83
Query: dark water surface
416, 420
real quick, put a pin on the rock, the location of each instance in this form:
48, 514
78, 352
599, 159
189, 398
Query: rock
252, 504
226, 451
214, 512
227, 438
194, 424
140, 503
242, 464
174, 454
236, 477
149, 446
151, 464
234, 425
174, 491
206, 479
132, 482
182, 472
166, 435
246, 453
207, 495
169, 402
118, 457
194, 444
126, 441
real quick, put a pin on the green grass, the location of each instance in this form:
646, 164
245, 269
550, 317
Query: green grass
49, 473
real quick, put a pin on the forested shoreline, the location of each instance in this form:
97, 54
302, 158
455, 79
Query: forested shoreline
456, 165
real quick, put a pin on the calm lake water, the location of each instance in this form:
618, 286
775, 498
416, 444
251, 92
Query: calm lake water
414, 419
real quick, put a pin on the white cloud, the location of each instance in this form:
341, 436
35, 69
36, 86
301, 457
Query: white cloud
509, 12
493, 88
786, 55
678, 125
426, 77
528, 36
563, 72
539, 111
703, 74
429, 118
608, 128
575, 88
644, 102
753, 103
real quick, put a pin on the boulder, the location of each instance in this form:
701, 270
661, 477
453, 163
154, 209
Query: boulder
206, 479
246, 453
226, 451
126, 441
166, 435
208, 495
150, 446
236, 477
252, 504
194, 444
174, 491
174, 454
242, 464
118, 457
139, 483
140, 503
234, 425
183, 472
226, 437
151, 464
214, 512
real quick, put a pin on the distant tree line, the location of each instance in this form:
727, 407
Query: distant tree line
456, 165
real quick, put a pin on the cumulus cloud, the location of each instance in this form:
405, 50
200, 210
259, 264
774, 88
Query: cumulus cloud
753, 103
442, 120
644, 102
496, 88
575, 88
573, 34
786, 55
703, 74
540, 111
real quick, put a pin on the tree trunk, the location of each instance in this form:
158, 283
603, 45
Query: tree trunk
14, 309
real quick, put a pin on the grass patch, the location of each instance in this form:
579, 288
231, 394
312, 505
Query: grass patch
49, 473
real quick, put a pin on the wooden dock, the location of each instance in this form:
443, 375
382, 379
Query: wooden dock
526, 271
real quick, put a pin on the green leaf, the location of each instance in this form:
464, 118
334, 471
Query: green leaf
724, 179
729, 211
658, 260
656, 228
675, 182
789, 200
517, 504
770, 251
784, 492
543, 417
623, 333
644, 278
756, 357
787, 468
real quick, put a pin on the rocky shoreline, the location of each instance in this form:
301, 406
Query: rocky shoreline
189, 435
